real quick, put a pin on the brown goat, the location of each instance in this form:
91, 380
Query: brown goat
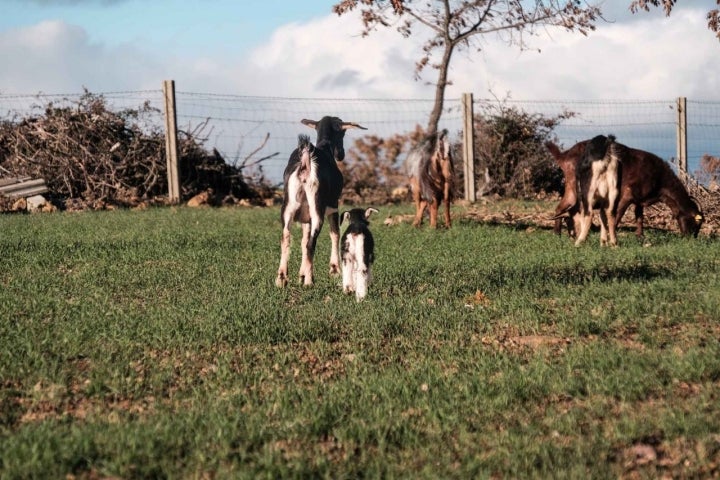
645, 179
430, 168
568, 206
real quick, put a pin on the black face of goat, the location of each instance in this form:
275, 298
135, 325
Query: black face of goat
331, 130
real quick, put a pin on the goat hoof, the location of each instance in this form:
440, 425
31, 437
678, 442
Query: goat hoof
281, 281
334, 270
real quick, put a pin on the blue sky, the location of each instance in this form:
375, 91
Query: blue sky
194, 26
298, 48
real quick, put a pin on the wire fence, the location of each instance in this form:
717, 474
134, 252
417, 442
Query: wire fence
237, 125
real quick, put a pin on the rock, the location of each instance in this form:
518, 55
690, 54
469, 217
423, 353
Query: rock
36, 203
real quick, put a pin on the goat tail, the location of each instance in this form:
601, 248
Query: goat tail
305, 151
553, 149
303, 142
614, 149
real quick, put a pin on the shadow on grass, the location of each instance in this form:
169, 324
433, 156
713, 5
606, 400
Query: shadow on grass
544, 275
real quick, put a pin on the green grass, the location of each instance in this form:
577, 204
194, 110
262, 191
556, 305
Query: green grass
154, 343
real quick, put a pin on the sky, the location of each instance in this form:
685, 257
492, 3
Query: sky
299, 48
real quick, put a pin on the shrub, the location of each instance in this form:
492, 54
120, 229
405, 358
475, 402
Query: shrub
92, 157
509, 142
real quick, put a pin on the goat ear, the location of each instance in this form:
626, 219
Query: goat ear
344, 216
553, 149
347, 125
370, 211
309, 123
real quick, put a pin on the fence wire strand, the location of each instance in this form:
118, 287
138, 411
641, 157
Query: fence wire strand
236, 125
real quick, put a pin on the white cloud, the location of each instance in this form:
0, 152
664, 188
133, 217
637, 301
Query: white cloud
327, 57
652, 58
55, 57
648, 57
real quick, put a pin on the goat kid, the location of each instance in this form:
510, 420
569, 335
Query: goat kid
431, 172
313, 185
598, 173
358, 252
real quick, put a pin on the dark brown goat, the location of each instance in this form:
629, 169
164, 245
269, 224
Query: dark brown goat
645, 179
430, 168
568, 206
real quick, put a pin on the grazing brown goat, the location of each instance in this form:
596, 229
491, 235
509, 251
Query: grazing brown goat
645, 179
567, 208
648, 179
430, 168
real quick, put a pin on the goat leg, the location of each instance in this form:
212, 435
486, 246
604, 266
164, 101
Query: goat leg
420, 204
446, 197
334, 220
604, 227
282, 278
348, 273
612, 228
448, 220
639, 221
611, 212
585, 222
433, 213
308, 250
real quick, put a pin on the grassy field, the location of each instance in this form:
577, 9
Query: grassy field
154, 344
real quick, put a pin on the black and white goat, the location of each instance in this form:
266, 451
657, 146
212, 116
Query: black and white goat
313, 184
598, 174
357, 249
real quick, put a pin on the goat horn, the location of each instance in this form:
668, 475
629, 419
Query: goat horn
696, 202
564, 213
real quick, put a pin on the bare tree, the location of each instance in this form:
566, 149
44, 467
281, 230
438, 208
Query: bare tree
457, 24
713, 16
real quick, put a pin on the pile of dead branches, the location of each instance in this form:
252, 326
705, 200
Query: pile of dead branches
92, 157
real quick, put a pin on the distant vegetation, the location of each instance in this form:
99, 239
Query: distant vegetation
92, 157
